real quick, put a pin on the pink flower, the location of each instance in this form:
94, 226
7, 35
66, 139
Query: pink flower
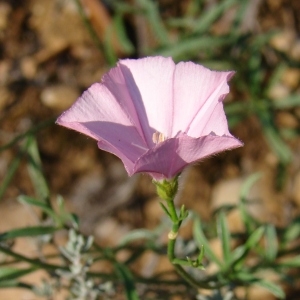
157, 117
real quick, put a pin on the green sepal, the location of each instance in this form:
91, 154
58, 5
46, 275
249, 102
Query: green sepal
167, 189
165, 209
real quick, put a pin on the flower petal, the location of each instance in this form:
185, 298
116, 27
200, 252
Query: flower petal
170, 157
97, 114
118, 151
202, 89
149, 83
213, 122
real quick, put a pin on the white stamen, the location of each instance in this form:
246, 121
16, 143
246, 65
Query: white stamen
158, 137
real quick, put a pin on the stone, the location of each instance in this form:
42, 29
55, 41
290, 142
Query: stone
59, 97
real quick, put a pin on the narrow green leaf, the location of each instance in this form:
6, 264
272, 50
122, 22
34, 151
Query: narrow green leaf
203, 242
240, 253
207, 18
13, 168
43, 206
291, 263
108, 46
244, 192
187, 23
127, 278
292, 232
255, 237
27, 232
190, 46
153, 16
288, 102
275, 77
35, 171
240, 15
121, 33
137, 235
34, 262
165, 210
7, 273
237, 108
245, 277
271, 243
15, 284
64, 215
277, 144
247, 185
274, 288
224, 235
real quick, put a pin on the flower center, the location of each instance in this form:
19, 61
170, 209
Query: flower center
158, 137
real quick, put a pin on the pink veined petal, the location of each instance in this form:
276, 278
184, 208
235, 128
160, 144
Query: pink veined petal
97, 114
198, 90
214, 121
105, 146
149, 83
114, 80
170, 157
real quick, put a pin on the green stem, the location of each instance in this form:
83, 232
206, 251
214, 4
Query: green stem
178, 263
34, 262
173, 213
171, 249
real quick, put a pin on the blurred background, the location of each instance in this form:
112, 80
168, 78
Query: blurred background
51, 51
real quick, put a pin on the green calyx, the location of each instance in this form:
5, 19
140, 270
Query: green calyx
167, 189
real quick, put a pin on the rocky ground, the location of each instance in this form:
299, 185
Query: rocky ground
47, 58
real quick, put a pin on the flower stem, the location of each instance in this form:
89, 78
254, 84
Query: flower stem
177, 263
167, 191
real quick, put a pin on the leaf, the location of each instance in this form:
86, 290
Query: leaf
10, 174
287, 102
248, 184
35, 171
138, 235
128, 280
291, 263
245, 277
28, 231
208, 17
43, 206
237, 108
224, 235
240, 15
277, 144
165, 210
153, 16
9, 273
292, 232
274, 288
122, 36
189, 46
271, 243
275, 78
15, 284
244, 192
13, 168
202, 241
64, 215
240, 252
